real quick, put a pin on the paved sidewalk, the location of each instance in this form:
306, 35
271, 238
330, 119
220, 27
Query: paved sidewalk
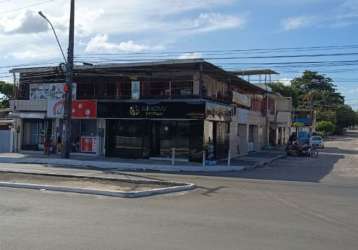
250, 161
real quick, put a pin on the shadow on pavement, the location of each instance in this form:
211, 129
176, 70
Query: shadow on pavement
336, 150
298, 169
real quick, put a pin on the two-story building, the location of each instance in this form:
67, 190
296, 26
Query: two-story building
141, 110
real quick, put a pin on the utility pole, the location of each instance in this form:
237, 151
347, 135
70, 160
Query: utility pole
267, 121
68, 87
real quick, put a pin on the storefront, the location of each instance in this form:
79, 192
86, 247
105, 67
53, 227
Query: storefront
34, 132
153, 129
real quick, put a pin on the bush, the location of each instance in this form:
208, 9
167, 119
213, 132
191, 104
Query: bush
325, 127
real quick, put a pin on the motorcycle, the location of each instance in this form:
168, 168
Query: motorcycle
296, 149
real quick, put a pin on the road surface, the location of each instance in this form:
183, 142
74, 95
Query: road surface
295, 203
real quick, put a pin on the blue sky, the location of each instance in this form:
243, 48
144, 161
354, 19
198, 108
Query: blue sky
157, 26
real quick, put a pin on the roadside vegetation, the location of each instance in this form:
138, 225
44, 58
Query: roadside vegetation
313, 91
6, 92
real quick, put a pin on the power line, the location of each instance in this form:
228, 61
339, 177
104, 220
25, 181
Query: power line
26, 7
260, 50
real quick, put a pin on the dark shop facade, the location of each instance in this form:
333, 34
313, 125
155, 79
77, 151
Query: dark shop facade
156, 128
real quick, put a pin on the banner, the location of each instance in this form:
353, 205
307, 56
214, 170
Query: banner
50, 91
241, 99
84, 109
55, 109
81, 109
88, 144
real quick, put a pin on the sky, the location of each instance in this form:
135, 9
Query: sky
226, 32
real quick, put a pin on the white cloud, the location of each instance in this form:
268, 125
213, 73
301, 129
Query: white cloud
36, 53
207, 22
191, 55
286, 81
31, 23
349, 9
293, 23
126, 26
100, 43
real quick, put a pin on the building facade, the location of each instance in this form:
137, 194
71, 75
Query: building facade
142, 110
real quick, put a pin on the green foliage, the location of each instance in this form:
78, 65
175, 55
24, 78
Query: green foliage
325, 127
298, 124
313, 91
346, 118
6, 93
316, 91
284, 90
327, 115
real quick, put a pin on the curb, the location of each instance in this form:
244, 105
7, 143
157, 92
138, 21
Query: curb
137, 167
120, 194
173, 188
122, 166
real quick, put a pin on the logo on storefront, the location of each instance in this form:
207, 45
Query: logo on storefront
134, 110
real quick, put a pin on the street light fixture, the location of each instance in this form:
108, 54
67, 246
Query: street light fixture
67, 116
54, 32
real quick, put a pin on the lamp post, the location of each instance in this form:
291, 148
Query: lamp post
67, 116
54, 32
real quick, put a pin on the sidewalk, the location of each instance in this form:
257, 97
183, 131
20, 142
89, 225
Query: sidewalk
249, 161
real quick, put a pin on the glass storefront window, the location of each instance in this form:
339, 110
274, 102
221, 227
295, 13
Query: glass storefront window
80, 129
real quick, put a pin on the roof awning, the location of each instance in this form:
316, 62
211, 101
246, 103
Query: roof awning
251, 72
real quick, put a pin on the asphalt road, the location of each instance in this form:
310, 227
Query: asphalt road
295, 203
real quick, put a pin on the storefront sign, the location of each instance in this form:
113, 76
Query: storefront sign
141, 110
50, 91
81, 109
240, 99
84, 109
55, 108
217, 112
88, 144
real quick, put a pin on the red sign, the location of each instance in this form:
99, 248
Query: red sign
88, 144
84, 109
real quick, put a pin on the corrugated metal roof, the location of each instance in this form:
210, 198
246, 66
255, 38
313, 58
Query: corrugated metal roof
251, 72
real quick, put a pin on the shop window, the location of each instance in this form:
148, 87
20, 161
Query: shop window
81, 129
135, 90
124, 88
182, 88
33, 134
86, 90
88, 127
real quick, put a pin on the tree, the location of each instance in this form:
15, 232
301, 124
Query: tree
345, 118
6, 93
316, 91
285, 90
326, 127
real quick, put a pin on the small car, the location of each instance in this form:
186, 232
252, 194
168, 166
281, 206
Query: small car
317, 142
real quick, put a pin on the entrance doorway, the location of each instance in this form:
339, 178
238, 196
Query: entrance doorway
167, 135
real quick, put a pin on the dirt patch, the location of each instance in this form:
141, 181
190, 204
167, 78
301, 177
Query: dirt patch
101, 184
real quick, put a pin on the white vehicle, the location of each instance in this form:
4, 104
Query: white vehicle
316, 141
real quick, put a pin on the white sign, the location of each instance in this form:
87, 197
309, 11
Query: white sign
55, 108
135, 90
241, 99
50, 91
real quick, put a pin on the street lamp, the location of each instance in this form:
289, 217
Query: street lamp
67, 116
54, 32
